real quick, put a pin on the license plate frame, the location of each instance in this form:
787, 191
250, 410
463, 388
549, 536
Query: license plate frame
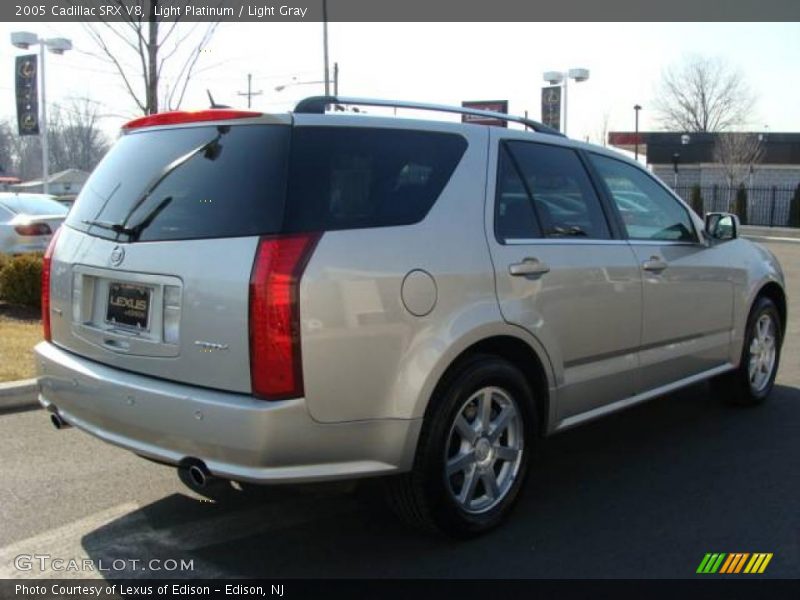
123, 306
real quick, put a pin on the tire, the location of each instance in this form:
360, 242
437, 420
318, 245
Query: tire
752, 381
467, 476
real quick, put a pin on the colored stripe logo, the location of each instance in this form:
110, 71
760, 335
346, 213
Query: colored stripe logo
734, 563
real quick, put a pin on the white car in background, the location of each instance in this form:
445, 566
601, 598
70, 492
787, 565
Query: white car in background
28, 221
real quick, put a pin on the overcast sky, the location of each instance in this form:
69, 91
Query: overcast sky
448, 63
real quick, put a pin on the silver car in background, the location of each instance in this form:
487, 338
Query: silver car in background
28, 221
315, 296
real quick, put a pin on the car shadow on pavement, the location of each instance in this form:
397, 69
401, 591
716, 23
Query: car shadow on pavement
643, 493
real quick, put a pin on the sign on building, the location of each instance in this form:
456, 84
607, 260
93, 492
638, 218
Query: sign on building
551, 106
500, 106
27, 89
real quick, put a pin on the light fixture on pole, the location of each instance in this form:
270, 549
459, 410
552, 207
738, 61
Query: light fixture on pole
294, 82
636, 108
24, 40
280, 88
562, 78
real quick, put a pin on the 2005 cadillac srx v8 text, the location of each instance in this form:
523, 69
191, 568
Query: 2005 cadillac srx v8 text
311, 296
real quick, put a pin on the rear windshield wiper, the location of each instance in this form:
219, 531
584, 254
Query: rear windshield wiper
115, 227
132, 232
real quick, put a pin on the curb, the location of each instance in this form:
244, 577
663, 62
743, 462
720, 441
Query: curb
19, 395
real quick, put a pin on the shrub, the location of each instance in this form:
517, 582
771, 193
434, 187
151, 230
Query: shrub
21, 280
4, 258
740, 207
696, 199
794, 210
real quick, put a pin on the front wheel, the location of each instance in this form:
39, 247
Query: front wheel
752, 382
473, 452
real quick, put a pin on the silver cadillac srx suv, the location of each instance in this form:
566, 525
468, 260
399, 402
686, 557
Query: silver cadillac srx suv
311, 296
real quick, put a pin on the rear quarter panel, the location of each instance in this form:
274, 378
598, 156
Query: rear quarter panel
365, 356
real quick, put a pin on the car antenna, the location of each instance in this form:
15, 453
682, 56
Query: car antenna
214, 104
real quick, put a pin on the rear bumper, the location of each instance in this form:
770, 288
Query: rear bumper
237, 436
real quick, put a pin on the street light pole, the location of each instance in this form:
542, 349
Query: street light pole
566, 112
336, 79
636, 109
43, 124
325, 44
676, 157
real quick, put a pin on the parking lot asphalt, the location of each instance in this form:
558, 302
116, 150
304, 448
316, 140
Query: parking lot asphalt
644, 493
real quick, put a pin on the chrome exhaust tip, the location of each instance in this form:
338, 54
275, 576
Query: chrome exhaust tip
199, 475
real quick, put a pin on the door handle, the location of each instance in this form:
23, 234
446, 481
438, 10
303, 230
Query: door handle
528, 266
655, 264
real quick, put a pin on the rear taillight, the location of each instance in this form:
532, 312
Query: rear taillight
46, 262
33, 229
275, 360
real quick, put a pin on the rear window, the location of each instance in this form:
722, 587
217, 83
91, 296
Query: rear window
345, 178
33, 205
228, 181
188, 183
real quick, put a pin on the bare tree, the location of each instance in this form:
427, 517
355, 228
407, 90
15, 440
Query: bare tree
76, 140
6, 149
601, 135
27, 156
154, 59
737, 153
703, 94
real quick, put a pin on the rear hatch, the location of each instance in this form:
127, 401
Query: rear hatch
151, 271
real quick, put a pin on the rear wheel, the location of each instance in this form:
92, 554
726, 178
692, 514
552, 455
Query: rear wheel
752, 382
473, 452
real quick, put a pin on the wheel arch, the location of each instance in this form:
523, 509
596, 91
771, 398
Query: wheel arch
518, 352
776, 293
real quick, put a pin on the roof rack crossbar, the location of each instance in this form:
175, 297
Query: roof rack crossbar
318, 104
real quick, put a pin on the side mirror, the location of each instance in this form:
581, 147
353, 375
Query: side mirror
722, 226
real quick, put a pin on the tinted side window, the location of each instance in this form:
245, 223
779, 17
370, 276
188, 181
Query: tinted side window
648, 211
345, 178
513, 210
557, 188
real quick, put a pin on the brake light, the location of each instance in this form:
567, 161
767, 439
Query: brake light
46, 262
33, 229
275, 360
184, 116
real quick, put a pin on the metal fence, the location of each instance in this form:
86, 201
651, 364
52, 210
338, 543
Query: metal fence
766, 206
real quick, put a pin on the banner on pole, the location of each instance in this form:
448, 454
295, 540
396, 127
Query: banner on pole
26, 73
551, 106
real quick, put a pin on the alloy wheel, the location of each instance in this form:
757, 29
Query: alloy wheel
484, 450
762, 353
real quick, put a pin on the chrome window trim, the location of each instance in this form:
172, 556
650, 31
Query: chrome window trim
596, 242
560, 241
643, 242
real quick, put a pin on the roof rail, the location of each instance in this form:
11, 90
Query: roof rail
318, 104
